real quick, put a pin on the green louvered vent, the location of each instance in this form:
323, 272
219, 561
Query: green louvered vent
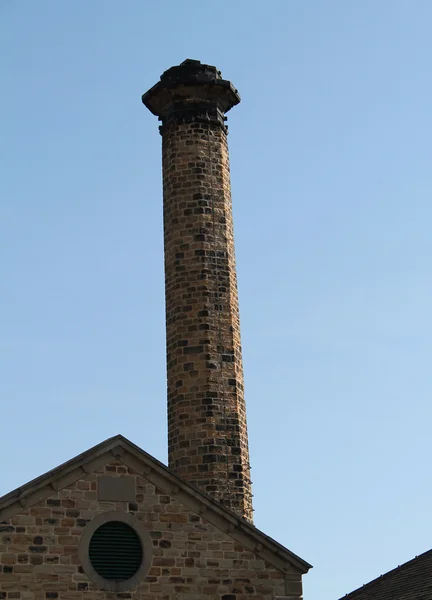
115, 551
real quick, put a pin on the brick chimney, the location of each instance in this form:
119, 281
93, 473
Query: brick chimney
207, 432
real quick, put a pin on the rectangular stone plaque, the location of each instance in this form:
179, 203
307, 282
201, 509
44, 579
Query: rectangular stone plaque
116, 489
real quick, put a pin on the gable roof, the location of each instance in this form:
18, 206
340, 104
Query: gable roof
157, 473
410, 581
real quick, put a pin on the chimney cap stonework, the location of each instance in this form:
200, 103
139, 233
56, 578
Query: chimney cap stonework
191, 81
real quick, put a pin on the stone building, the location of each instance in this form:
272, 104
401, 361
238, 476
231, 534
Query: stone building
114, 522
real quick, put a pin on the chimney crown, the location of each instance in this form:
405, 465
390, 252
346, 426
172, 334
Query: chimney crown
191, 82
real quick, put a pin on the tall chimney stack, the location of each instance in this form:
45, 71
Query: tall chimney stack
207, 431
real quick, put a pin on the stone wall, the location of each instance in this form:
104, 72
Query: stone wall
191, 559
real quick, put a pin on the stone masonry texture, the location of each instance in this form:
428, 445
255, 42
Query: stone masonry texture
207, 431
191, 559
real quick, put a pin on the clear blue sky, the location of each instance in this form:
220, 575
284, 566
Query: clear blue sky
331, 158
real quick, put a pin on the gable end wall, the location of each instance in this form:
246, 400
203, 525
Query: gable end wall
191, 558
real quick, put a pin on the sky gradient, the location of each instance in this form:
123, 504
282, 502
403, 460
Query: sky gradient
331, 173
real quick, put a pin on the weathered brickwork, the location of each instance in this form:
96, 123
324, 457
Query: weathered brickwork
191, 558
207, 431
206, 408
